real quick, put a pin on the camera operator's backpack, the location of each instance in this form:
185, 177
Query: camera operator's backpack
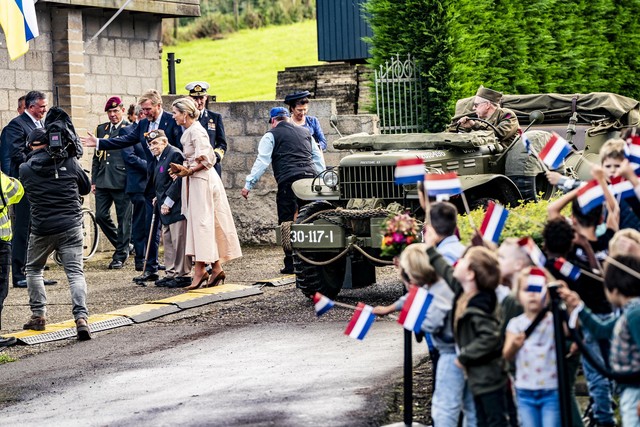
58, 120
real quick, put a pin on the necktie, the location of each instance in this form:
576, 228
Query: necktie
153, 126
38, 124
112, 130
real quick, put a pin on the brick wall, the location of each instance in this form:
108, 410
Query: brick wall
32, 71
124, 60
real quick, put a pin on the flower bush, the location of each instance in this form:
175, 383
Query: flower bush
400, 230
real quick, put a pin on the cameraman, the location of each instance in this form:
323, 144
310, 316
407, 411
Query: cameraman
53, 183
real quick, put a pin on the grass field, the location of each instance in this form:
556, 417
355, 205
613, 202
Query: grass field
244, 65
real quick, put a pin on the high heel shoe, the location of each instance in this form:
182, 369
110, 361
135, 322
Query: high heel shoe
198, 285
215, 281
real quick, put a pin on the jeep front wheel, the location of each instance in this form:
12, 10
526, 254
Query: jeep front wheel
310, 278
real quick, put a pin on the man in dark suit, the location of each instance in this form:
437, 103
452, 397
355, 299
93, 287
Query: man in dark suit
135, 161
168, 196
5, 164
108, 181
15, 136
212, 122
156, 118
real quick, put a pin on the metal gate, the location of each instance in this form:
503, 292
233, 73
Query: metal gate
399, 96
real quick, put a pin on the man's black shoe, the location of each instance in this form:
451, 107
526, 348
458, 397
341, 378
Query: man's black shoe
23, 283
180, 282
147, 276
164, 282
139, 267
116, 264
286, 270
6, 342
162, 267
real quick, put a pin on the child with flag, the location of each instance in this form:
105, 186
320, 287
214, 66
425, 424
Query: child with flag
624, 330
588, 251
450, 392
535, 357
476, 327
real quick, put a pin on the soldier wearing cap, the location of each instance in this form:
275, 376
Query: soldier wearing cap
210, 121
108, 182
486, 105
293, 155
298, 103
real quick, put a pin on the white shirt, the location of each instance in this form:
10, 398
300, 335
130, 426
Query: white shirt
536, 360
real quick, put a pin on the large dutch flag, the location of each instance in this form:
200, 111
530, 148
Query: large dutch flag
621, 188
322, 304
19, 22
360, 322
555, 151
442, 184
590, 195
415, 309
409, 171
534, 252
494, 221
566, 268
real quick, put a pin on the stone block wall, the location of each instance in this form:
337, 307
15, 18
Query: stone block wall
245, 123
32, 71
125, 60
348, 84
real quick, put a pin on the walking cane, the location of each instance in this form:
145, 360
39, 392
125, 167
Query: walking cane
146, 252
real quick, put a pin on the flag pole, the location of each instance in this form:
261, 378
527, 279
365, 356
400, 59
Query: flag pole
466, 208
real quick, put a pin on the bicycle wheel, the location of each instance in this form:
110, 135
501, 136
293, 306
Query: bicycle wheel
90, 234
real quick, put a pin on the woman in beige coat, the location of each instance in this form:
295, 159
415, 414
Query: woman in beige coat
211, 233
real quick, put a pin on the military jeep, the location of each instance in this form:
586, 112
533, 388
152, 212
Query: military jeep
336, 238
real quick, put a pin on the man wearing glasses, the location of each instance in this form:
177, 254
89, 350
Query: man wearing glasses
486, 105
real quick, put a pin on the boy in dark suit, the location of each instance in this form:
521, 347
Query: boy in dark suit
168, 198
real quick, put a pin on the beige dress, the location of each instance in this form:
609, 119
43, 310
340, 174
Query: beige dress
211, 232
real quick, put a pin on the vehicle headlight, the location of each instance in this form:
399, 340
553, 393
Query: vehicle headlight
330, 179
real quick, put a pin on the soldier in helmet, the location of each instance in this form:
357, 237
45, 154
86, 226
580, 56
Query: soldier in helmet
212, 122
487, 107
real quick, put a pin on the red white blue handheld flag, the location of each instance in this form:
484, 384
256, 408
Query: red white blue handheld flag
447, 183
632, 149
415, 308
536, 280
566, 268
494, 221
360, 322
621, 188
555, 151
322, 304
409, 171
533, 251
590, 195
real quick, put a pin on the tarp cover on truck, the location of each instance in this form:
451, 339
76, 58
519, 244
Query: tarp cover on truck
558, 108
414, 141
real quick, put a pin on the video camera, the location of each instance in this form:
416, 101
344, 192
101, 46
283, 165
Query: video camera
61, 134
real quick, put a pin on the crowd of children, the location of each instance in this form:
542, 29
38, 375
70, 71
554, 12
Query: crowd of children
490, 322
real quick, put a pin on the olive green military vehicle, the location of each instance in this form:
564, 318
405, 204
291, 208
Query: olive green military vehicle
336, 238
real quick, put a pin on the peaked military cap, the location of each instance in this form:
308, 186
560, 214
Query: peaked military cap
197, 88
154, 134
489, 94
113, 102
293, 97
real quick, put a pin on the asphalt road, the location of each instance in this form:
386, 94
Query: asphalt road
264, 360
